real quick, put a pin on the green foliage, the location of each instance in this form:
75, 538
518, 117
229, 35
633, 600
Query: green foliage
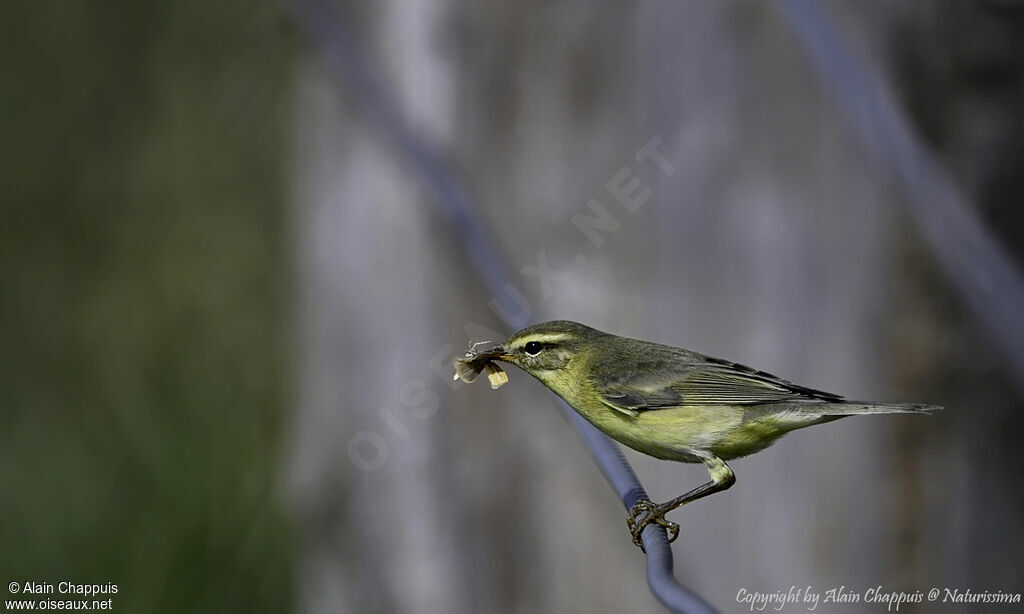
141, 304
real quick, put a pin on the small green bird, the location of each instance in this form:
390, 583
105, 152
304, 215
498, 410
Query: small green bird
665, 401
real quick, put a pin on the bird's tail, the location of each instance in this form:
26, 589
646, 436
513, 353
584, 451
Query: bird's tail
851, 408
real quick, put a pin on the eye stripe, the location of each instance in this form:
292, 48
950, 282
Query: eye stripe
545, 338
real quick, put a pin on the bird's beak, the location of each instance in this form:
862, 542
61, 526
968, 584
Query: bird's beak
495, 353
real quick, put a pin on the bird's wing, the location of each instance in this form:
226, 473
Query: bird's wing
708, 382
631, 401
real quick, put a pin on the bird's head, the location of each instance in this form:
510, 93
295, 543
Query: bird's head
544, 350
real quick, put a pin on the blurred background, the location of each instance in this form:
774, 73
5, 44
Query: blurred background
230, 298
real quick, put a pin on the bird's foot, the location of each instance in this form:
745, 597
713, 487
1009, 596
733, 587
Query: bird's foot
644, 513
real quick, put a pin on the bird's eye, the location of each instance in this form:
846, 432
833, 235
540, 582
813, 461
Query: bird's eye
533, 348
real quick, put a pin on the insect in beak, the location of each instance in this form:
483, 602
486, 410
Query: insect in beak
469, 367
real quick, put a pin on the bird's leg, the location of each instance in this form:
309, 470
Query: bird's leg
642, 514
646, 512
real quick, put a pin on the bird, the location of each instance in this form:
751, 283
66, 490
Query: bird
667, 402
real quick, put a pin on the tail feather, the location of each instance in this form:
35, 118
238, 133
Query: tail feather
851, 408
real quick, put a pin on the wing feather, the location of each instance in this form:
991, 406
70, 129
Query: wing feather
709, 381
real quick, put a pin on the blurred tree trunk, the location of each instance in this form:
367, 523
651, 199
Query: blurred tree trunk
960, 69
453, 510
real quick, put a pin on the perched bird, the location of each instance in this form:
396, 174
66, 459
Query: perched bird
665, 401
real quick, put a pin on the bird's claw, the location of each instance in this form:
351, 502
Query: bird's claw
644, 513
